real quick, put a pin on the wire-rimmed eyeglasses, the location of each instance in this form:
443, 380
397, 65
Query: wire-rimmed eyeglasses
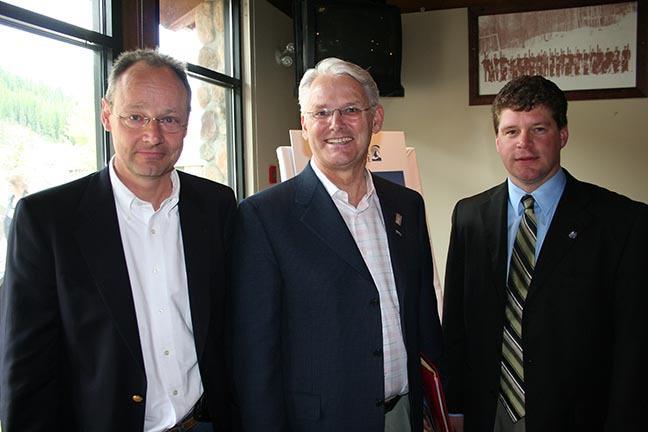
170, 124
350, 112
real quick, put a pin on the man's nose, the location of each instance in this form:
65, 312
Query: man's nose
336, 117
525, 138
153, 132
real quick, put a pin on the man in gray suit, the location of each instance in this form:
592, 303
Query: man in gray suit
332, 280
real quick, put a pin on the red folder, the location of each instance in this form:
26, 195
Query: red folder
436, 410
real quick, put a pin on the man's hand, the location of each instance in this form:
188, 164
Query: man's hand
427, 427
456, 423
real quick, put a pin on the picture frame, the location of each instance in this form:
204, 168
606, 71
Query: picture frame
590, 49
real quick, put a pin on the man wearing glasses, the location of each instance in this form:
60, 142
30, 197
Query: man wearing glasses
112, 307
332, 280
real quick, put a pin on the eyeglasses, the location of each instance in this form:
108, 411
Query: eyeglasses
349, 112
168, 124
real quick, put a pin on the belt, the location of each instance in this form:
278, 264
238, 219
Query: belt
391, 403
184, 425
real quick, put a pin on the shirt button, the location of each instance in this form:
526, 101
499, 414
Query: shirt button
175, 392
156, 269
153, 231
166, 352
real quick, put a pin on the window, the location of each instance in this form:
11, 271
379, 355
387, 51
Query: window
54, 62
204, 33
52, 69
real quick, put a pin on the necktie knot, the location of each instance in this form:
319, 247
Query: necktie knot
527, 202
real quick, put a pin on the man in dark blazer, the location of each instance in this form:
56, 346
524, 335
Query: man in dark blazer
583, 341
332, 280
113, 300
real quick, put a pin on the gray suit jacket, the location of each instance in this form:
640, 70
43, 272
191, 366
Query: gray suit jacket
307, 323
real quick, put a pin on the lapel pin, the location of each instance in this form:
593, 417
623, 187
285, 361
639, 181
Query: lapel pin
398, 219
399, 233
573, 235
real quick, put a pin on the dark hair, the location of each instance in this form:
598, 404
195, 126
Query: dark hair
152, 58
527, 92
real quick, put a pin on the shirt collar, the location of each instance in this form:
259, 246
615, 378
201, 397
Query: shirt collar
332, 189
545, 196
127, 200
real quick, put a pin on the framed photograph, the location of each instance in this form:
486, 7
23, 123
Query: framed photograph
591, 50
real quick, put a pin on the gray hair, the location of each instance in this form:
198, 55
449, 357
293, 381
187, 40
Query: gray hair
335, 66
152, 58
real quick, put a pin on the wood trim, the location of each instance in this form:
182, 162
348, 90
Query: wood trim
140, 20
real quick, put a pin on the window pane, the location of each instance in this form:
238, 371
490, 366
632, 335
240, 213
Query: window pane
206, 147
48, 127
197, 32
81, 13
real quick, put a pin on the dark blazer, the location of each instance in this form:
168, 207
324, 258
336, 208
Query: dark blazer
307, 323
70, 351
585, 335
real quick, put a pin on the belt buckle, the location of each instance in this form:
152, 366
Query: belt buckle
184, 425
391, 403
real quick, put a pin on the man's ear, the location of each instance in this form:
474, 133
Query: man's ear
105, 114
564, 136
304, 129
379, 116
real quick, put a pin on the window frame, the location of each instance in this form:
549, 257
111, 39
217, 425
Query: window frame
105, 44
136, 26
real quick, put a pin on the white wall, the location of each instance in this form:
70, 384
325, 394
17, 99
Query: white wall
269, 103
455, 142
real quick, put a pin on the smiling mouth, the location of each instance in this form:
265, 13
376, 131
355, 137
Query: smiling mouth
342, 140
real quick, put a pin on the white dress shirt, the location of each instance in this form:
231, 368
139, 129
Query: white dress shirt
156, 268
368, 230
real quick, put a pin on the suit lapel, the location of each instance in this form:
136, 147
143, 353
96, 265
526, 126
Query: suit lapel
494, 214
99, 240
570, 219
397, 232
195, 239
321, 216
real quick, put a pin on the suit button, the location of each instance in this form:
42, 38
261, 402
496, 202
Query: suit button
137, 398
378, 352
374, 301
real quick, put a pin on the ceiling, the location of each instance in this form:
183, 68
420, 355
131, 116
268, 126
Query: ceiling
407, 6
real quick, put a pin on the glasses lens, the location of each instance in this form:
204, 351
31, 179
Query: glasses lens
170, 124
134, 121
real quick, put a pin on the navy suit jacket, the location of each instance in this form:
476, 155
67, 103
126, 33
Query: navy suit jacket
307, 323
584, 327
70, 351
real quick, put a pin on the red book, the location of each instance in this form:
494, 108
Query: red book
435, 407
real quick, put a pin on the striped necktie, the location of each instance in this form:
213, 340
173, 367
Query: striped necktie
520, 274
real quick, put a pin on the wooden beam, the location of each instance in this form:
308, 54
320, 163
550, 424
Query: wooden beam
177, 14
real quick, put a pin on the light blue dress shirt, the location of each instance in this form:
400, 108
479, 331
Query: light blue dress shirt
546, 200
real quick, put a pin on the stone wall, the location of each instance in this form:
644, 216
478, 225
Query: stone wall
210, 28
